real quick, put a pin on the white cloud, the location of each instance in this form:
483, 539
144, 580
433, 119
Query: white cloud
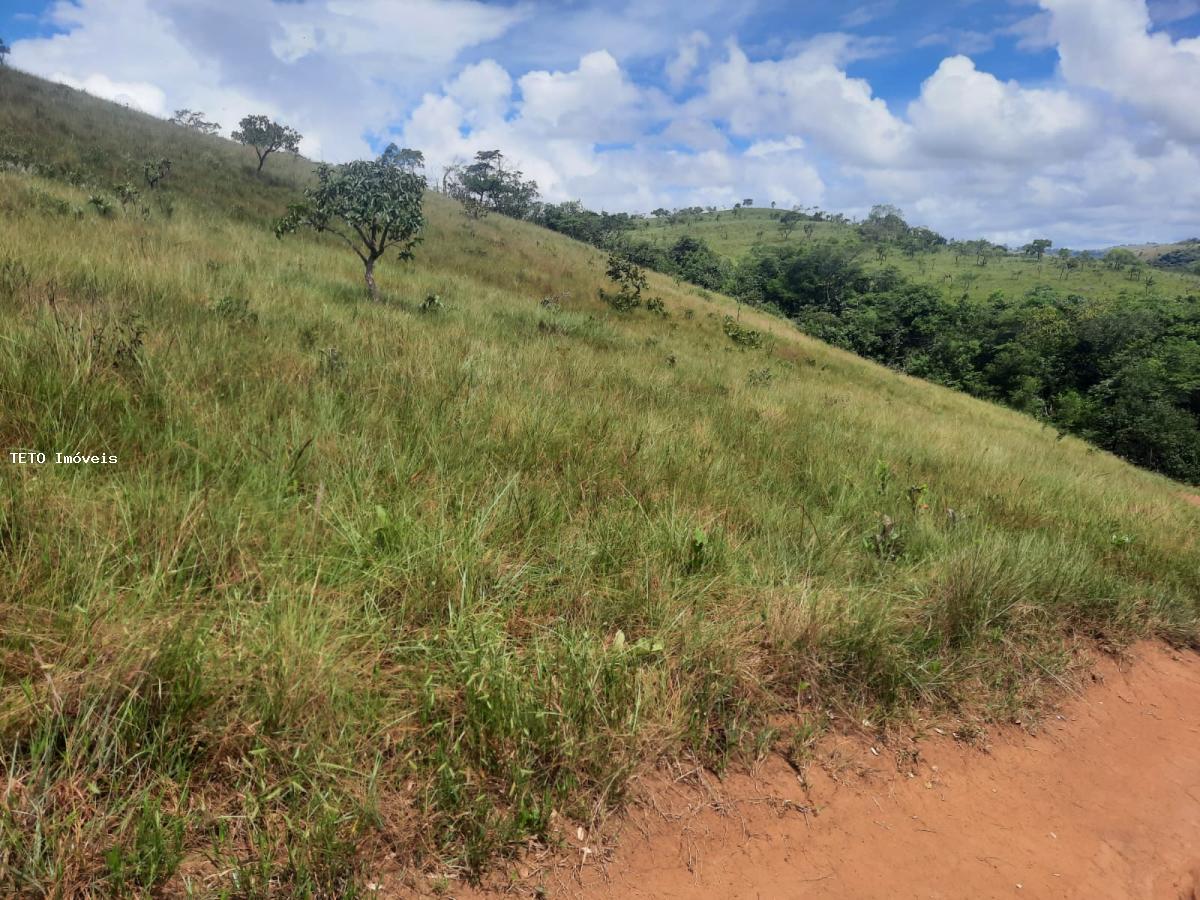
566, 102
806, 94
771, 148
604, 102
335, 69
140, 95
1108, 45
969, 114
686, 60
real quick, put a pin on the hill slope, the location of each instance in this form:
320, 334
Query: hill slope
367, 579
734, 236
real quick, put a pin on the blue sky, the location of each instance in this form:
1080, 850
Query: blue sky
1006, 118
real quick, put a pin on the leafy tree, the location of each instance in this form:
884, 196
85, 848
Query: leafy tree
4, 51
698, 263
371, 205
630, 279
1038, 248
748, 203
885, 223
194, 119
788, 223
266, 137
1119, 258
487, 185
404, 158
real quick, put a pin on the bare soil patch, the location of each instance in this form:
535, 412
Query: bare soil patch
1103, 801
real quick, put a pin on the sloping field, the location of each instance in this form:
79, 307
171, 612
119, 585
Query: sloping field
413, 577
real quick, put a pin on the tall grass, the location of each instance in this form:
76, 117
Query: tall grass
371, 580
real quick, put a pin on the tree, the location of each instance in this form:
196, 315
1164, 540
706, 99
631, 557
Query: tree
372, 205
488, 185
884, 223
266, 137
630, 279
748, 202
194, 119
1038, 248
1119, 257
404, 158
155, 171
788, 222
4, 51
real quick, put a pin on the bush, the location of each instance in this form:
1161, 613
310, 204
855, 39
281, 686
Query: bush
746, 338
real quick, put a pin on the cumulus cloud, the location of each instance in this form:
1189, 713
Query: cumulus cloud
609, 105
807, 94
1109, 45
965, 113
337, 70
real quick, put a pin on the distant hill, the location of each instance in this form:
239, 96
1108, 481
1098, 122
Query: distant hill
735, 234
1181, 255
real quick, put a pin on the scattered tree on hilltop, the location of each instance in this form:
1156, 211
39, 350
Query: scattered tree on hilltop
194, 119
266, 137
372, 205
404, 158
4, 51
885, 223
487, 185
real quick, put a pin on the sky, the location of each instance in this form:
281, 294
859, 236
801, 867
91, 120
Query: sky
1075, 120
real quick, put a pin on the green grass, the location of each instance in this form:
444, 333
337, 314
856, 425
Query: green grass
370, 580
1015, 275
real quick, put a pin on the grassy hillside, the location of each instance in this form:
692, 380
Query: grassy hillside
735, 236
1182, 255
366, 579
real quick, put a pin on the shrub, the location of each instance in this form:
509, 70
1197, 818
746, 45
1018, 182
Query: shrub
631, 281
746, 338
101, 204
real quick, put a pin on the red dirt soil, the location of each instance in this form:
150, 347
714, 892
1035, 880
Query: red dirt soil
1103, 803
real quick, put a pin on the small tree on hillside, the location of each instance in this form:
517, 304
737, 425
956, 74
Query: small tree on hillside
630, 280
266, 137
194, 119
4, 51
372, 205
155, 171
788, 223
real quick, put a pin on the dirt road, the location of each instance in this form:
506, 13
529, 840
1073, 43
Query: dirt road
1104, 802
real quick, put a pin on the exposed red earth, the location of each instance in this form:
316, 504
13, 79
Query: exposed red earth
1103, 801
